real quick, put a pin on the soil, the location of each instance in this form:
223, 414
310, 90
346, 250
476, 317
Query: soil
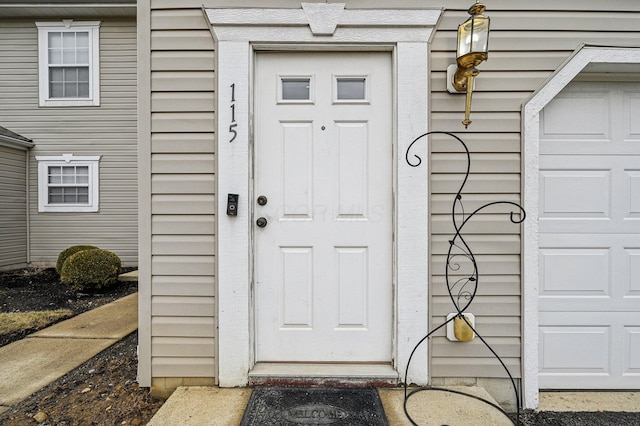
104, 391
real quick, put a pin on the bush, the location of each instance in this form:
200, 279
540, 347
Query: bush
91, 269
64, 255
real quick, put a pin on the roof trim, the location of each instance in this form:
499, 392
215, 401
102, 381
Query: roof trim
51, 9
13, 140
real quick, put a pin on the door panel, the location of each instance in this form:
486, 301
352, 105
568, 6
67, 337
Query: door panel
590, 238
323, 158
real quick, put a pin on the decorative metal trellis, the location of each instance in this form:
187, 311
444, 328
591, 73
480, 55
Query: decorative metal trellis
461, 270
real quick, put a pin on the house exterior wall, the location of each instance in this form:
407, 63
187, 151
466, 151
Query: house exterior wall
528, 42
108, 130
13, 207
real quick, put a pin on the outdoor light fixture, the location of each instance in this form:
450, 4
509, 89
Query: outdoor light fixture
473, 47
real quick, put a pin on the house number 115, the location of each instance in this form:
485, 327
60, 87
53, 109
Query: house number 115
232, 127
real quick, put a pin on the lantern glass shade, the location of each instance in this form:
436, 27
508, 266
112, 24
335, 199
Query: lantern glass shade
473, 40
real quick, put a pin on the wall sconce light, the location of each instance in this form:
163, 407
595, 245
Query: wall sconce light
473, 47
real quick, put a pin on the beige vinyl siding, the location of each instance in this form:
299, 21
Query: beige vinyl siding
13, 208
109, 130
183, 194
528, 42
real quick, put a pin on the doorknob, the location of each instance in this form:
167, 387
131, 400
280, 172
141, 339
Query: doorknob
261, 222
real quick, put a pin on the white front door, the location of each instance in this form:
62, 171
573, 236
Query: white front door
323, 163
589, 301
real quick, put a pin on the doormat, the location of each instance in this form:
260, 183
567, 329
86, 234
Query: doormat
314, 406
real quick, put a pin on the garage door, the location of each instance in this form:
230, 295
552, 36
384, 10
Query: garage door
589, 290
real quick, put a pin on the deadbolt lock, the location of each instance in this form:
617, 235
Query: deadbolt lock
262, 200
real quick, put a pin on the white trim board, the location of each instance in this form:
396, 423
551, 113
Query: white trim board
239, 33
574, 65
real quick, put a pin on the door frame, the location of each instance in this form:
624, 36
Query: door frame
239, 33
594, 59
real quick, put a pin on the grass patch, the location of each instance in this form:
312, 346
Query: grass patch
15, 321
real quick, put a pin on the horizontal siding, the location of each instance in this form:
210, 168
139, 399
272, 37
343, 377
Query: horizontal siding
182, 143
183, 326
109, 130
183, 186
183, 224
186, 265
183, 164
480, 367
182, 366
488, 285
182, 306
183, 204
13, 207
183, 346
198, 245
191, 60
199, 286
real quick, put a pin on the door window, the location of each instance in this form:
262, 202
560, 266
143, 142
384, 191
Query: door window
350, 89
297, 89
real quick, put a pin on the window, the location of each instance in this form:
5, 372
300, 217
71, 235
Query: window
351, 89
68, 183
69, 66
295, 89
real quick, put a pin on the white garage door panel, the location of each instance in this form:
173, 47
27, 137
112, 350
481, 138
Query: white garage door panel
632, 188
605, 189
575, 272
589, 257
588, 347
590, 351
592, 118
575, 193
583, 115
631, 347
601, 270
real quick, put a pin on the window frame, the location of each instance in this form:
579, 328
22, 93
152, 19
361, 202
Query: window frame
93, 30
92, 162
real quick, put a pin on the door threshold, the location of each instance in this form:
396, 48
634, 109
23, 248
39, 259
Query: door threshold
309, 374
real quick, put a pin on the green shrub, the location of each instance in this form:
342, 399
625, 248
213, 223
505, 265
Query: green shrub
91, 269
64, 255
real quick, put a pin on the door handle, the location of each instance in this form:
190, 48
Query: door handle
261, 222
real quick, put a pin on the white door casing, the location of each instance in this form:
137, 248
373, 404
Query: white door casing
239, 33
323, 160
589, 238
585, 58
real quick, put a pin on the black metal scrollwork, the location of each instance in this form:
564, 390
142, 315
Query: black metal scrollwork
461, 269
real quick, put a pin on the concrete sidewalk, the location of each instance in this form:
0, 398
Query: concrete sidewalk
30, 364
210, 406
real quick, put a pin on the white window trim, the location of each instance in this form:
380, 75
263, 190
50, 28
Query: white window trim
93, 27
44, 162
239, 34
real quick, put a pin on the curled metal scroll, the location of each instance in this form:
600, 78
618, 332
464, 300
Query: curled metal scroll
461, 269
